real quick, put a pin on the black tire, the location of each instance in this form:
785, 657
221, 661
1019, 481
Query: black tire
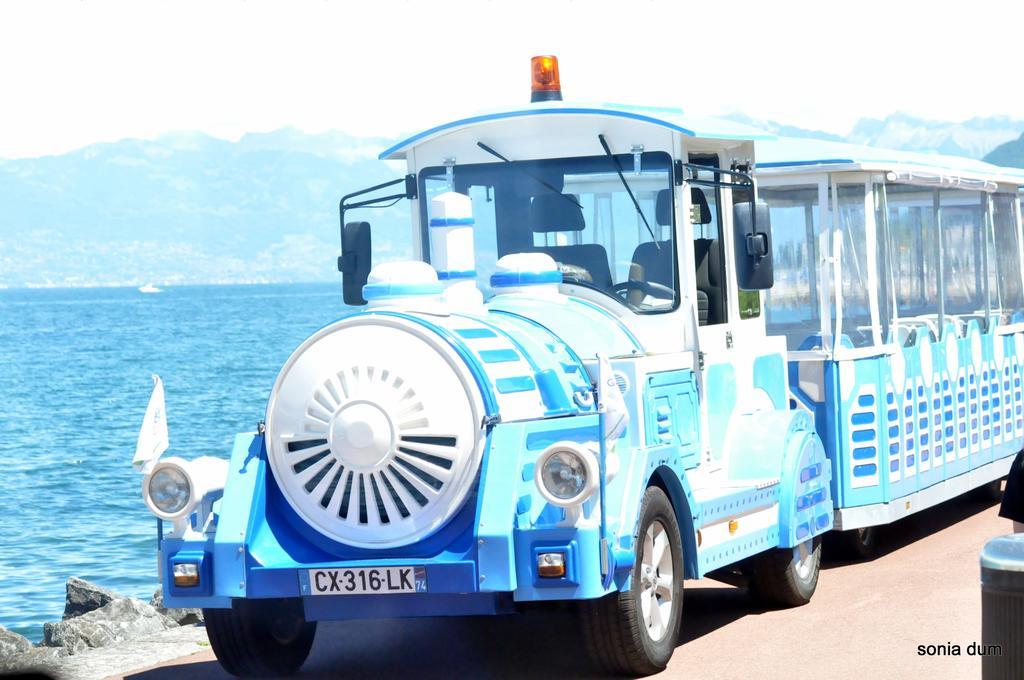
614, 629
853, 544
785, 577
260, 638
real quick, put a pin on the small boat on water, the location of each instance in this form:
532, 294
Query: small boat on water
150, 288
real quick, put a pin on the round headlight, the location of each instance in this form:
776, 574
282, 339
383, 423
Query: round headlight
566, 474
168, 490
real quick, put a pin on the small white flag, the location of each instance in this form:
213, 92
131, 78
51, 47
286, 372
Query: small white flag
153, 434
609, 400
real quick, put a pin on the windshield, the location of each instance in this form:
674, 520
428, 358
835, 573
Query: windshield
578, 211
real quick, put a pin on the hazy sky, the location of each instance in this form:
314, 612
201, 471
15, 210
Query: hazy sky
74, 73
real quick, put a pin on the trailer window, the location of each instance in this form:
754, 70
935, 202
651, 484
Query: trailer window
855, 286
913, 249
1007, 255
791, 305
962, 218
954, 250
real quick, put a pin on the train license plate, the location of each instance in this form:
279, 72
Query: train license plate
368, 581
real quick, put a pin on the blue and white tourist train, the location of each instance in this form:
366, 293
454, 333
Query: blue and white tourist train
612, 367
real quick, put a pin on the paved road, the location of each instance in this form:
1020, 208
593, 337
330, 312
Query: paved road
866, 620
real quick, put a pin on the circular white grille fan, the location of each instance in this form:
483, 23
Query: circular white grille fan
373, 432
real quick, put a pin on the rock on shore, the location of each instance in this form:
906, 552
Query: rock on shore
11, 643
119, 620
95, 618
182, 617
115, 660
83, 597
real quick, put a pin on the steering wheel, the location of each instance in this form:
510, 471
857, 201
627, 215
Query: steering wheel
646, 287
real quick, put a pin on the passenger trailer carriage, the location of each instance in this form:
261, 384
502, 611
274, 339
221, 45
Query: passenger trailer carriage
898, 288
571, 395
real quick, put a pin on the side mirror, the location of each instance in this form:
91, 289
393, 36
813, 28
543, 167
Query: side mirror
752, 236
354, 263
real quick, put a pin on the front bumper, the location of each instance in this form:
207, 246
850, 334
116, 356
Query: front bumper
249, 555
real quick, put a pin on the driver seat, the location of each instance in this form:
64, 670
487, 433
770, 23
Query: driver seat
656, 263
552, 213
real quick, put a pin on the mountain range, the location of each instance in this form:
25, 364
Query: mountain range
190, 208
972, 138
185, 208
1009, 154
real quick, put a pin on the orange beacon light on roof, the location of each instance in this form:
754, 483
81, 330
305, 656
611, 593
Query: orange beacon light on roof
545, 85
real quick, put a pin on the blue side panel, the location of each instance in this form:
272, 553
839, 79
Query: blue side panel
1012, 387
897, 424
790, 502
672, 414
770, 376
817, 398
241, 510
934, 449
987, 399
830, 434
727, 553
893, 425
860, 440
720, 384
236, 517
805, 506
496, 509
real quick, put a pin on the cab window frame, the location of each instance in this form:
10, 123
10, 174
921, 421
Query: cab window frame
665, 158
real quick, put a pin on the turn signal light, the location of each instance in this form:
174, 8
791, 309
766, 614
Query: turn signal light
545, 84
551, 565
186, 574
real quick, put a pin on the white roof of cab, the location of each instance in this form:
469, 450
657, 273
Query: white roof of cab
671, 118
793, 154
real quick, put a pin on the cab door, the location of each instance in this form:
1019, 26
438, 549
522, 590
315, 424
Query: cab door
742, 371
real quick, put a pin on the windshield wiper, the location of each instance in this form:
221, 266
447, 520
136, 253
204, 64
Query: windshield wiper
529, 174
636, 204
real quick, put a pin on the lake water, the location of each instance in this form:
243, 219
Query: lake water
75, 368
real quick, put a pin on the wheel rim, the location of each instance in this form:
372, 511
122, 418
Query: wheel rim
657, 584
803, 556
286, 629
